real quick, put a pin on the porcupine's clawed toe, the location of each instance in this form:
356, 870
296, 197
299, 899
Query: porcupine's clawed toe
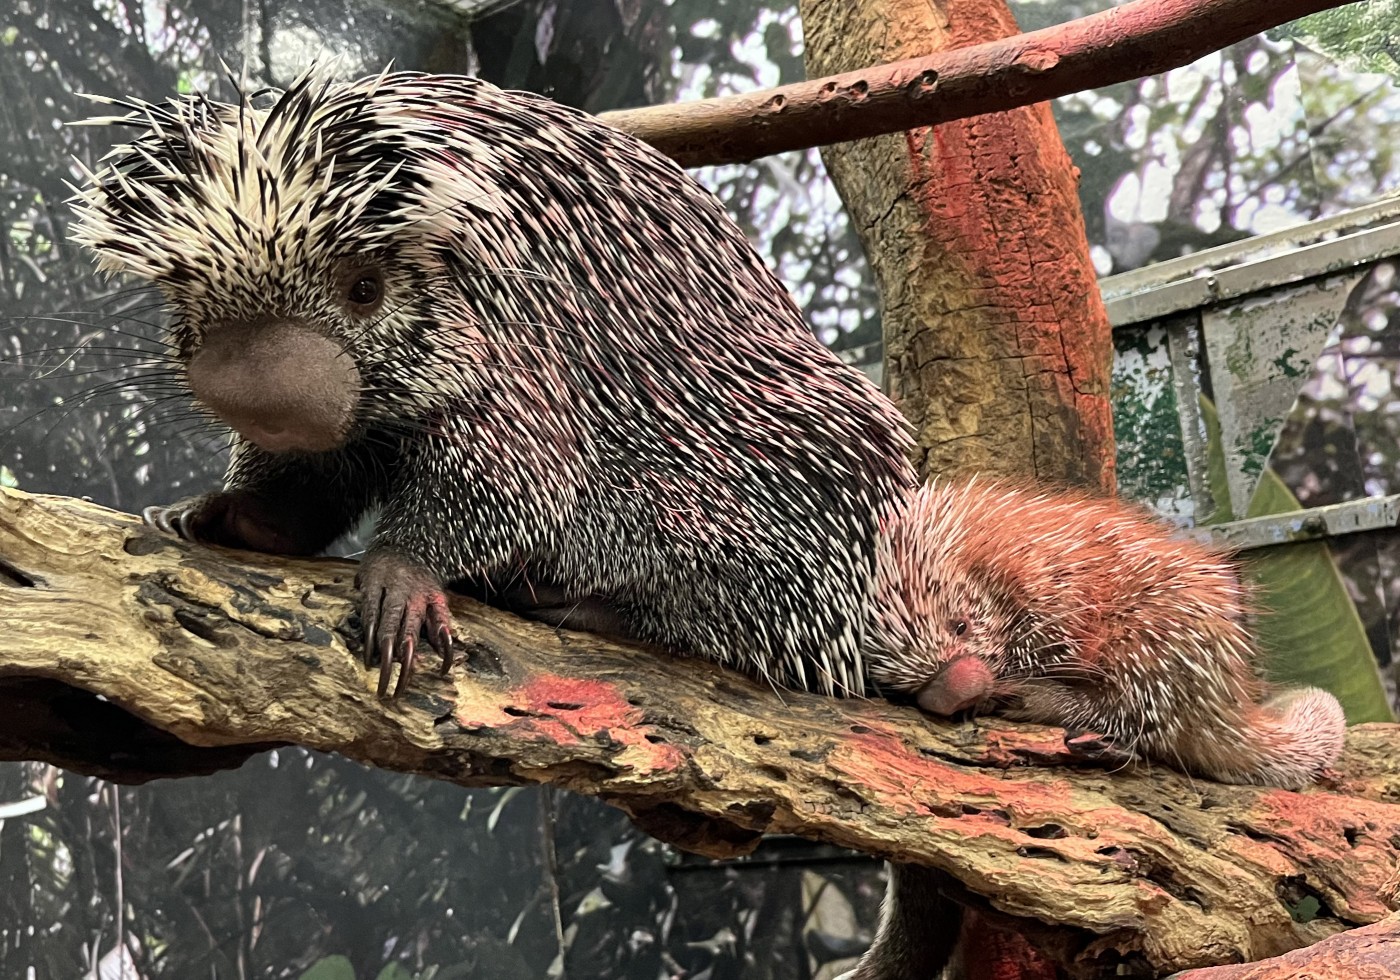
399, 598
1102, 750
233, 520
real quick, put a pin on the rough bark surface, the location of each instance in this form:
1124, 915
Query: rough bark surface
132, 655
997, 345
1369, 953
1132, 40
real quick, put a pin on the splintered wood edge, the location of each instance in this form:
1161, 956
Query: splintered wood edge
131, 655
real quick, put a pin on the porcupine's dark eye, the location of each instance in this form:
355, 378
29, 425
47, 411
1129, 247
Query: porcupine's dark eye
365, 290
958, 626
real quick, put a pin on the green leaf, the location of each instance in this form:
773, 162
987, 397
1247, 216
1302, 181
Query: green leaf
331, 968
394, 971
1308, 627
1357, 35
1306, 910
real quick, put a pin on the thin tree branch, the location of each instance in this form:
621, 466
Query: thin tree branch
132, 655
1137, 39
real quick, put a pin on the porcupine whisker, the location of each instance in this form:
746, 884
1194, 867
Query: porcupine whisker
96, 327
152, 380
156, 398
72, 351
87, 344
158, 412
80, 400
100, 314
200, 428
147, 370
124, 370
108, 431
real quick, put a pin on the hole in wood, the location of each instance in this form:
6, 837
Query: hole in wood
11, 575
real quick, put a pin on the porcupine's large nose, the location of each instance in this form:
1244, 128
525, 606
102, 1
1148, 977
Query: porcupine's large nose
277, 384
960, 685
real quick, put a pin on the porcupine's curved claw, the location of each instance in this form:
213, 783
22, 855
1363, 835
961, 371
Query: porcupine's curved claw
1097, 748
399, 599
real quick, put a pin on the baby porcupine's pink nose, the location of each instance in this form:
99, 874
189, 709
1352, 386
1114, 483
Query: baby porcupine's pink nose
277, 384
962, 683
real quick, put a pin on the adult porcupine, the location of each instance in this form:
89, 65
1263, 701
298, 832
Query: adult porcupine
1088, 614
542, 349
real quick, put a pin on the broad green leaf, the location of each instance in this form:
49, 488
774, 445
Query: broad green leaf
394, 971
1358, 35
1308, 628
331, 968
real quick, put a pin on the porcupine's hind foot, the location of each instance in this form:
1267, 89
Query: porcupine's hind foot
239, 520
399, 598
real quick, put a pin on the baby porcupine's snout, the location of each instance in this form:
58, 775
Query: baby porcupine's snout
962, 683
277, 384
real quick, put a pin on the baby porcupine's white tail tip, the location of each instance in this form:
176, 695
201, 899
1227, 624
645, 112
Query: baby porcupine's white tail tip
1317, 724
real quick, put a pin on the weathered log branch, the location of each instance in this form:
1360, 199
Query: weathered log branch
1369, 953
131, 655
1130, 41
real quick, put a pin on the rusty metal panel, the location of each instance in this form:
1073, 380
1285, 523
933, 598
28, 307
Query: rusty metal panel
1331, 521
1229, 271
1260, 350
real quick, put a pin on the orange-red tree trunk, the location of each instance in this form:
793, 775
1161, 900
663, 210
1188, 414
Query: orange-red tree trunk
997, 344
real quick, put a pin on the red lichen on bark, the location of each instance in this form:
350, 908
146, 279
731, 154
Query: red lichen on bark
1308, 829
1368, 953
570, 711
884, 765
1017, 276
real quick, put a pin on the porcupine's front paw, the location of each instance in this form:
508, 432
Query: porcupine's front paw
233, 520
398, 599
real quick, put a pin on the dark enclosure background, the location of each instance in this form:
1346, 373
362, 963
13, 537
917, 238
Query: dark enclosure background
307, 866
